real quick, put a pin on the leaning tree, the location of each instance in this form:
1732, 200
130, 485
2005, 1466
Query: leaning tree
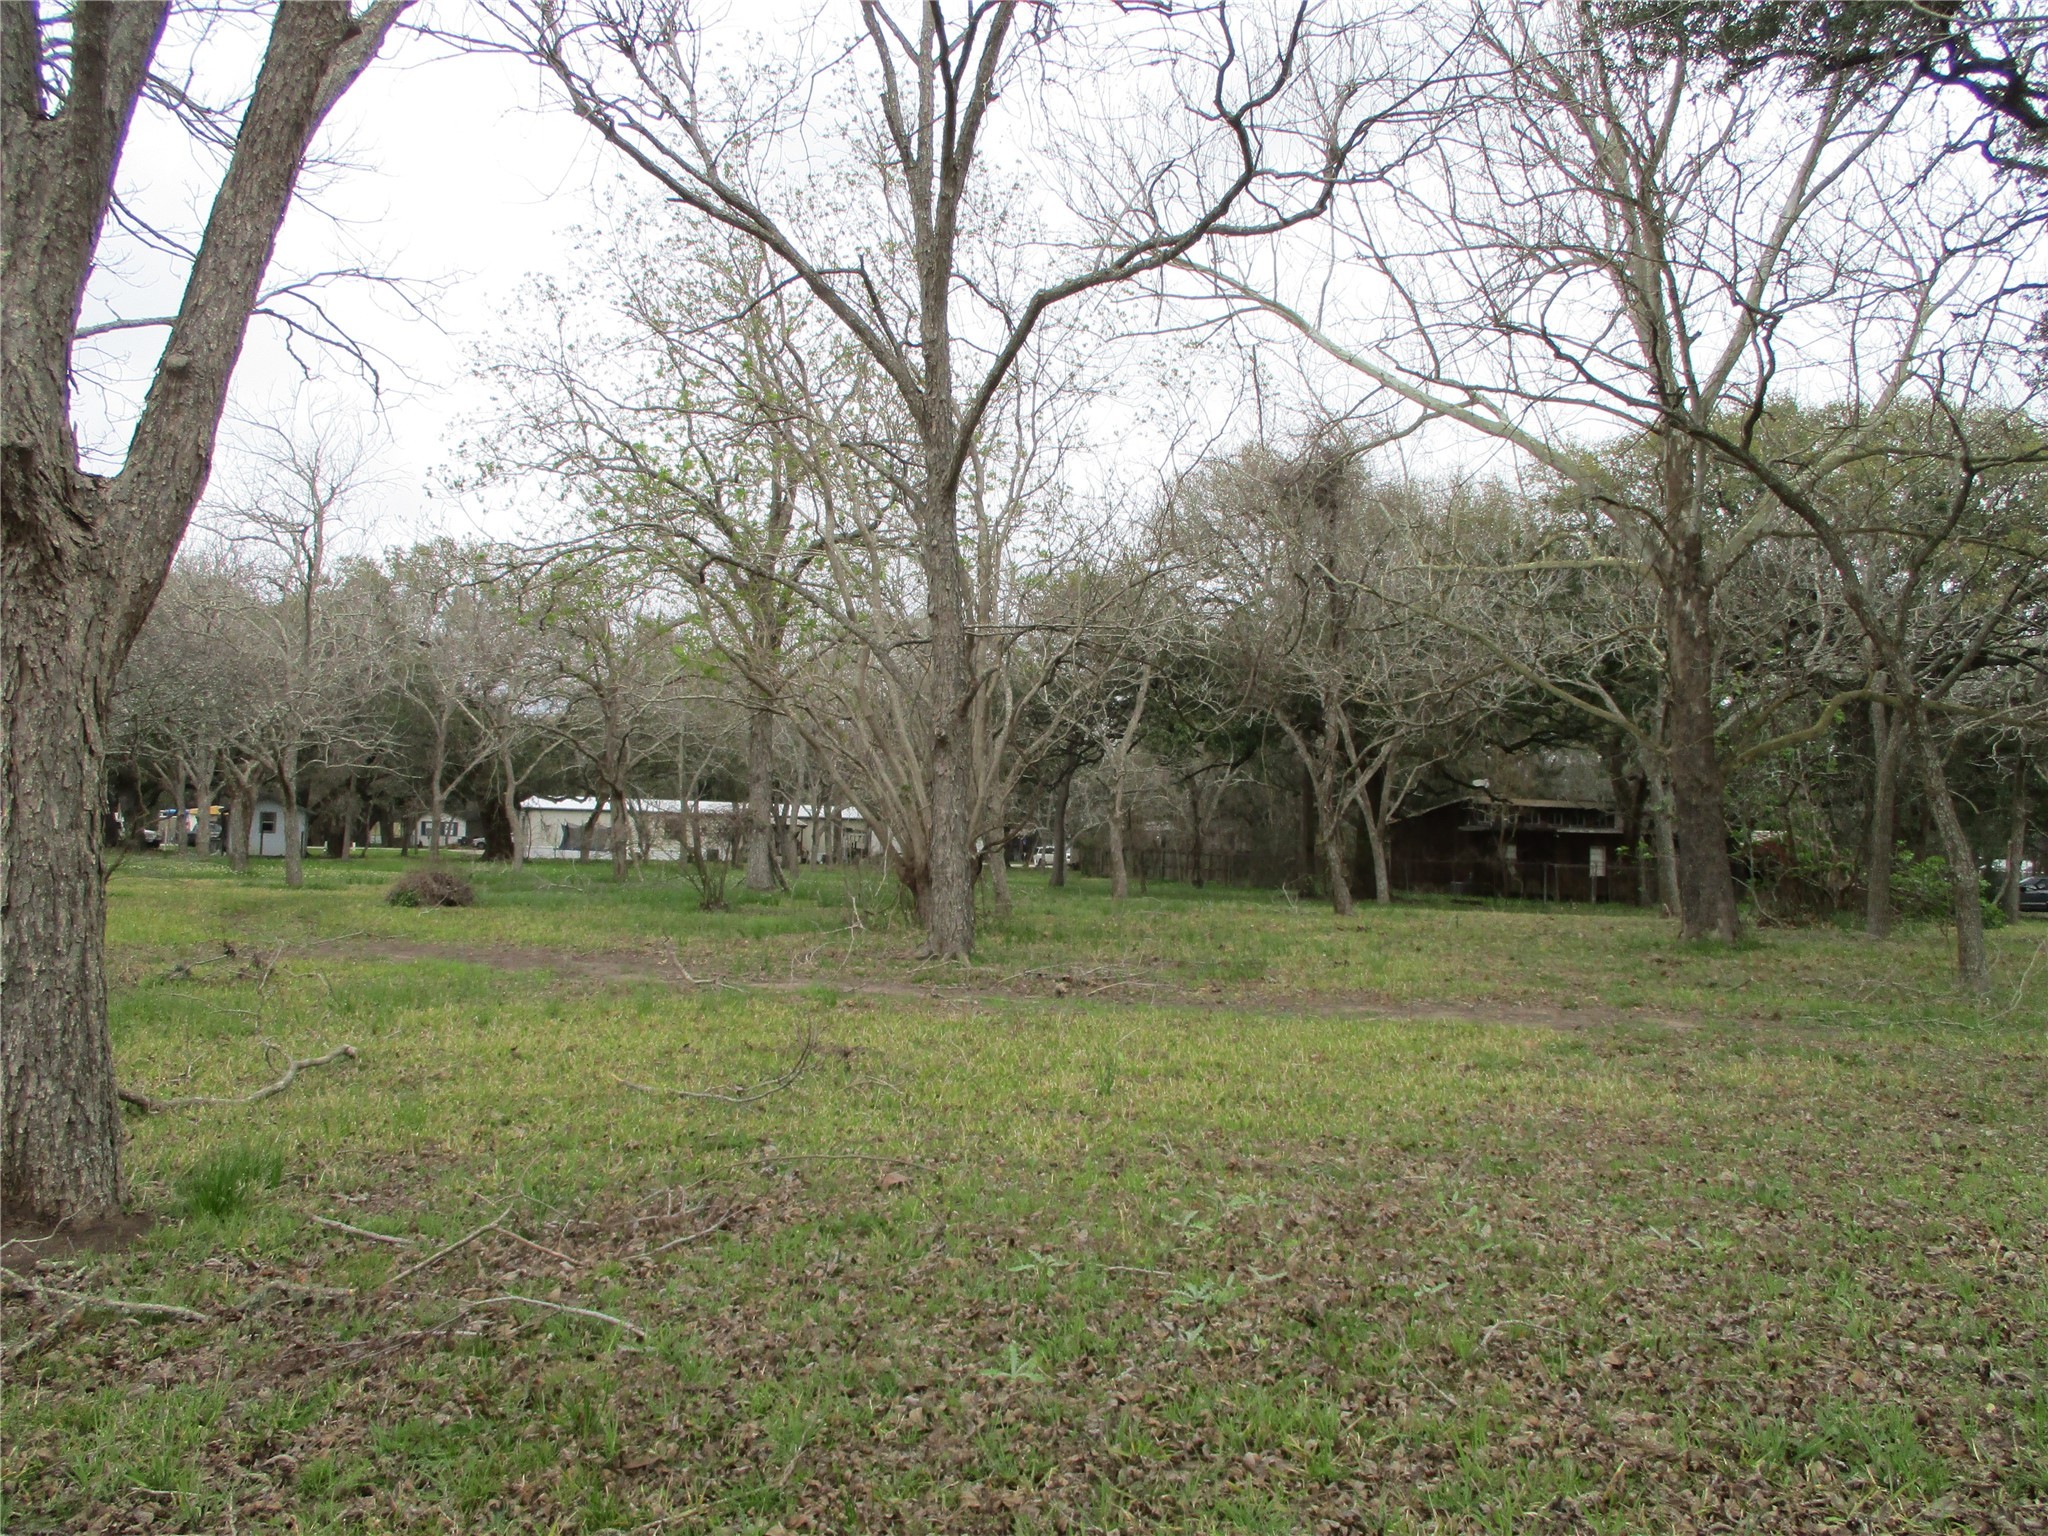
84, 554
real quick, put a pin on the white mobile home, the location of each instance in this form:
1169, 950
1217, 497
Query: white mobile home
664, 829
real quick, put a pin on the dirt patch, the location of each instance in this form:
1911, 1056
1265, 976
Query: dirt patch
1134, 992
28, 1241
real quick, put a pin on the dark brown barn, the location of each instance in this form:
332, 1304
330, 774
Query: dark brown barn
1482, 843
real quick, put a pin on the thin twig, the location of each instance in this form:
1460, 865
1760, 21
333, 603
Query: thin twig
752, 1095
690, 1237
441, 1253
150, 1106
541, 1247
375, 1237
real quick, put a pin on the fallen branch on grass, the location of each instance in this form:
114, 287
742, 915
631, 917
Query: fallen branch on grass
552, 1306
108, 1303
43, 1336
375, 1237
749, 1095
294, 1067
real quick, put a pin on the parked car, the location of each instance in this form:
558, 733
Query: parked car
2034, 893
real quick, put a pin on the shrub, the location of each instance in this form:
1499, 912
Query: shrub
431, 888
223, 1182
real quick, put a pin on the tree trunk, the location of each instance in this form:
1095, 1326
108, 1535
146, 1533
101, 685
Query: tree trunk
63, 1129
1195, 848
1059, 829
1886, 739
1376, 837
181, 780
1664, 841
1706, 880
436, 797
791, 855
1309, 840
1973, 969
949, 878
512, 809
2016, 843
1332, 834
203, 781
294, 835
760, 786
999, 879
622, 834
1119, 876
238, 824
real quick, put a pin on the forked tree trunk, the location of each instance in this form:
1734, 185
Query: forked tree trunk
1059, 829
1706, 879
1887, 739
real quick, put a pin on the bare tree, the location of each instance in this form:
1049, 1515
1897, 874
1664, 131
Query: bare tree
85, 553
312, 644
895, 273
1604, 235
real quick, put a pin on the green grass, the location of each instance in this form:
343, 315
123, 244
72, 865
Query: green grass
1208, 1212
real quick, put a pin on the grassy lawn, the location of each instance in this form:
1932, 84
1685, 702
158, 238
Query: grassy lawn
1205, 1213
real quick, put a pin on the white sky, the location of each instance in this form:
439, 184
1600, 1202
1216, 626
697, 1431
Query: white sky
465, 177
462, 175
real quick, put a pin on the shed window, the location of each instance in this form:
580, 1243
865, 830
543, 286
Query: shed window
270, 823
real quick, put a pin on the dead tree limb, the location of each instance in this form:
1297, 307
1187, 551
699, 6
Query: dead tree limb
551, 1306
375, 1237
294, 1067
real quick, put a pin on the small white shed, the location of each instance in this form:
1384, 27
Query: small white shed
266, 829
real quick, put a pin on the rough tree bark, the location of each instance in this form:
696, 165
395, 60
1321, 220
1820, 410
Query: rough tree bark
1706, 880
83, 556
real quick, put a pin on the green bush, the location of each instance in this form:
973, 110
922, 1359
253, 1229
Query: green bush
225, 1181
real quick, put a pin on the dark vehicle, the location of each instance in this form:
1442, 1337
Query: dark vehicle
2034, 893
